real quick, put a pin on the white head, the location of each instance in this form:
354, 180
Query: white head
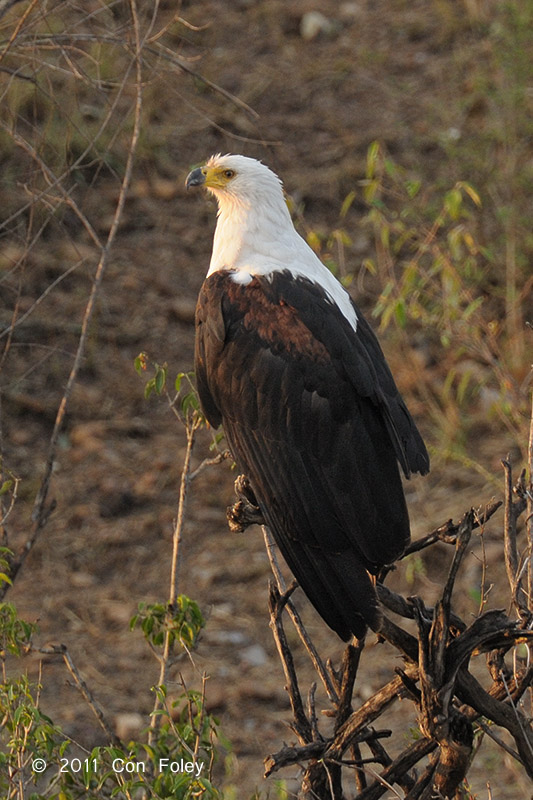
254, 233
253, 218
238, 181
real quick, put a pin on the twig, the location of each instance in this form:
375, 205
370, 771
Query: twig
209, 462
439, 721
529, 529
400, 639
94, 705
350, 665
14, 492
383, 783
499, 741
512, 512
399, 605
158, 50
5, 5
41, 510
276, 602
424, 787
448, 531
369, 711
294, 755
399, 767
511, 554
490, 706
297, 621
437, 658
521, 721
193, 426
23, 317
247, 512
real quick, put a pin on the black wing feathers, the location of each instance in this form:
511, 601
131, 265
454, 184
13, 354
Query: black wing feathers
313, 417
409, 445
361, 359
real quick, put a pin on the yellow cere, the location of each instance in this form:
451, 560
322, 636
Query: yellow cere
217, 177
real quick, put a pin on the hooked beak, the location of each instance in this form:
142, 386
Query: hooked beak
195, 178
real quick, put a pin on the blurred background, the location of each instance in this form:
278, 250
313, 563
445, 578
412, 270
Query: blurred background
403, 133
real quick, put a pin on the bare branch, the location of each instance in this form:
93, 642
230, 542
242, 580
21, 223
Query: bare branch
297, 621
42, 510
94, 705
368, 712
301, 725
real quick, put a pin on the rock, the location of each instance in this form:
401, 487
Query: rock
82, 580
350, 11
226, 637
313, 24
254, 656
128, 725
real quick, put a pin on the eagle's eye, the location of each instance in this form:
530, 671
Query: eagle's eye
229, 173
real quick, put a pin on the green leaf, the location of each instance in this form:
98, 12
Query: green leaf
140, 363
370, 266
413, 187
453, 201
471, 192
5, 487
149, 388
400, 314
347, 203
372, 157
472, 307
160, 379
313, 240
179, 378
390, 168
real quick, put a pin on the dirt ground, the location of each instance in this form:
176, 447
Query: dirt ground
374, 70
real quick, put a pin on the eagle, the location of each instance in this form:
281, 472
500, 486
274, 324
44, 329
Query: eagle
288, 365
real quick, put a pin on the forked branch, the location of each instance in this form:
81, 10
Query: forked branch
449, 702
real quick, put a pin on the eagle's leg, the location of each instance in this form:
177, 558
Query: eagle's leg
245, 511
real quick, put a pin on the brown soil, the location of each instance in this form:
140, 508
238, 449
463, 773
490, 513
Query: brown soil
378, 71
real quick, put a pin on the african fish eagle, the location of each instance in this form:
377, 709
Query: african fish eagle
289, 366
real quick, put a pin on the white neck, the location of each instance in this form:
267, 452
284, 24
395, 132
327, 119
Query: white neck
251, 242
244, 237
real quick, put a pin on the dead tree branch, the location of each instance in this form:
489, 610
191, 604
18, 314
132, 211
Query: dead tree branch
450, 702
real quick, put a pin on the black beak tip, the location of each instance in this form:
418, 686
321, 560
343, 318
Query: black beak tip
195, 178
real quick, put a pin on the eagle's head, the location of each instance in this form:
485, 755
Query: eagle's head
238, 178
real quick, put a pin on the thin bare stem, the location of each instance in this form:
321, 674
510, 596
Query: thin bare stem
529, 533
166, 658
84, 690
277, 601
41, 510
499, 741
512, 562
5, 5
529, 511
209, 462
180, 519
297, 620
23, 317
